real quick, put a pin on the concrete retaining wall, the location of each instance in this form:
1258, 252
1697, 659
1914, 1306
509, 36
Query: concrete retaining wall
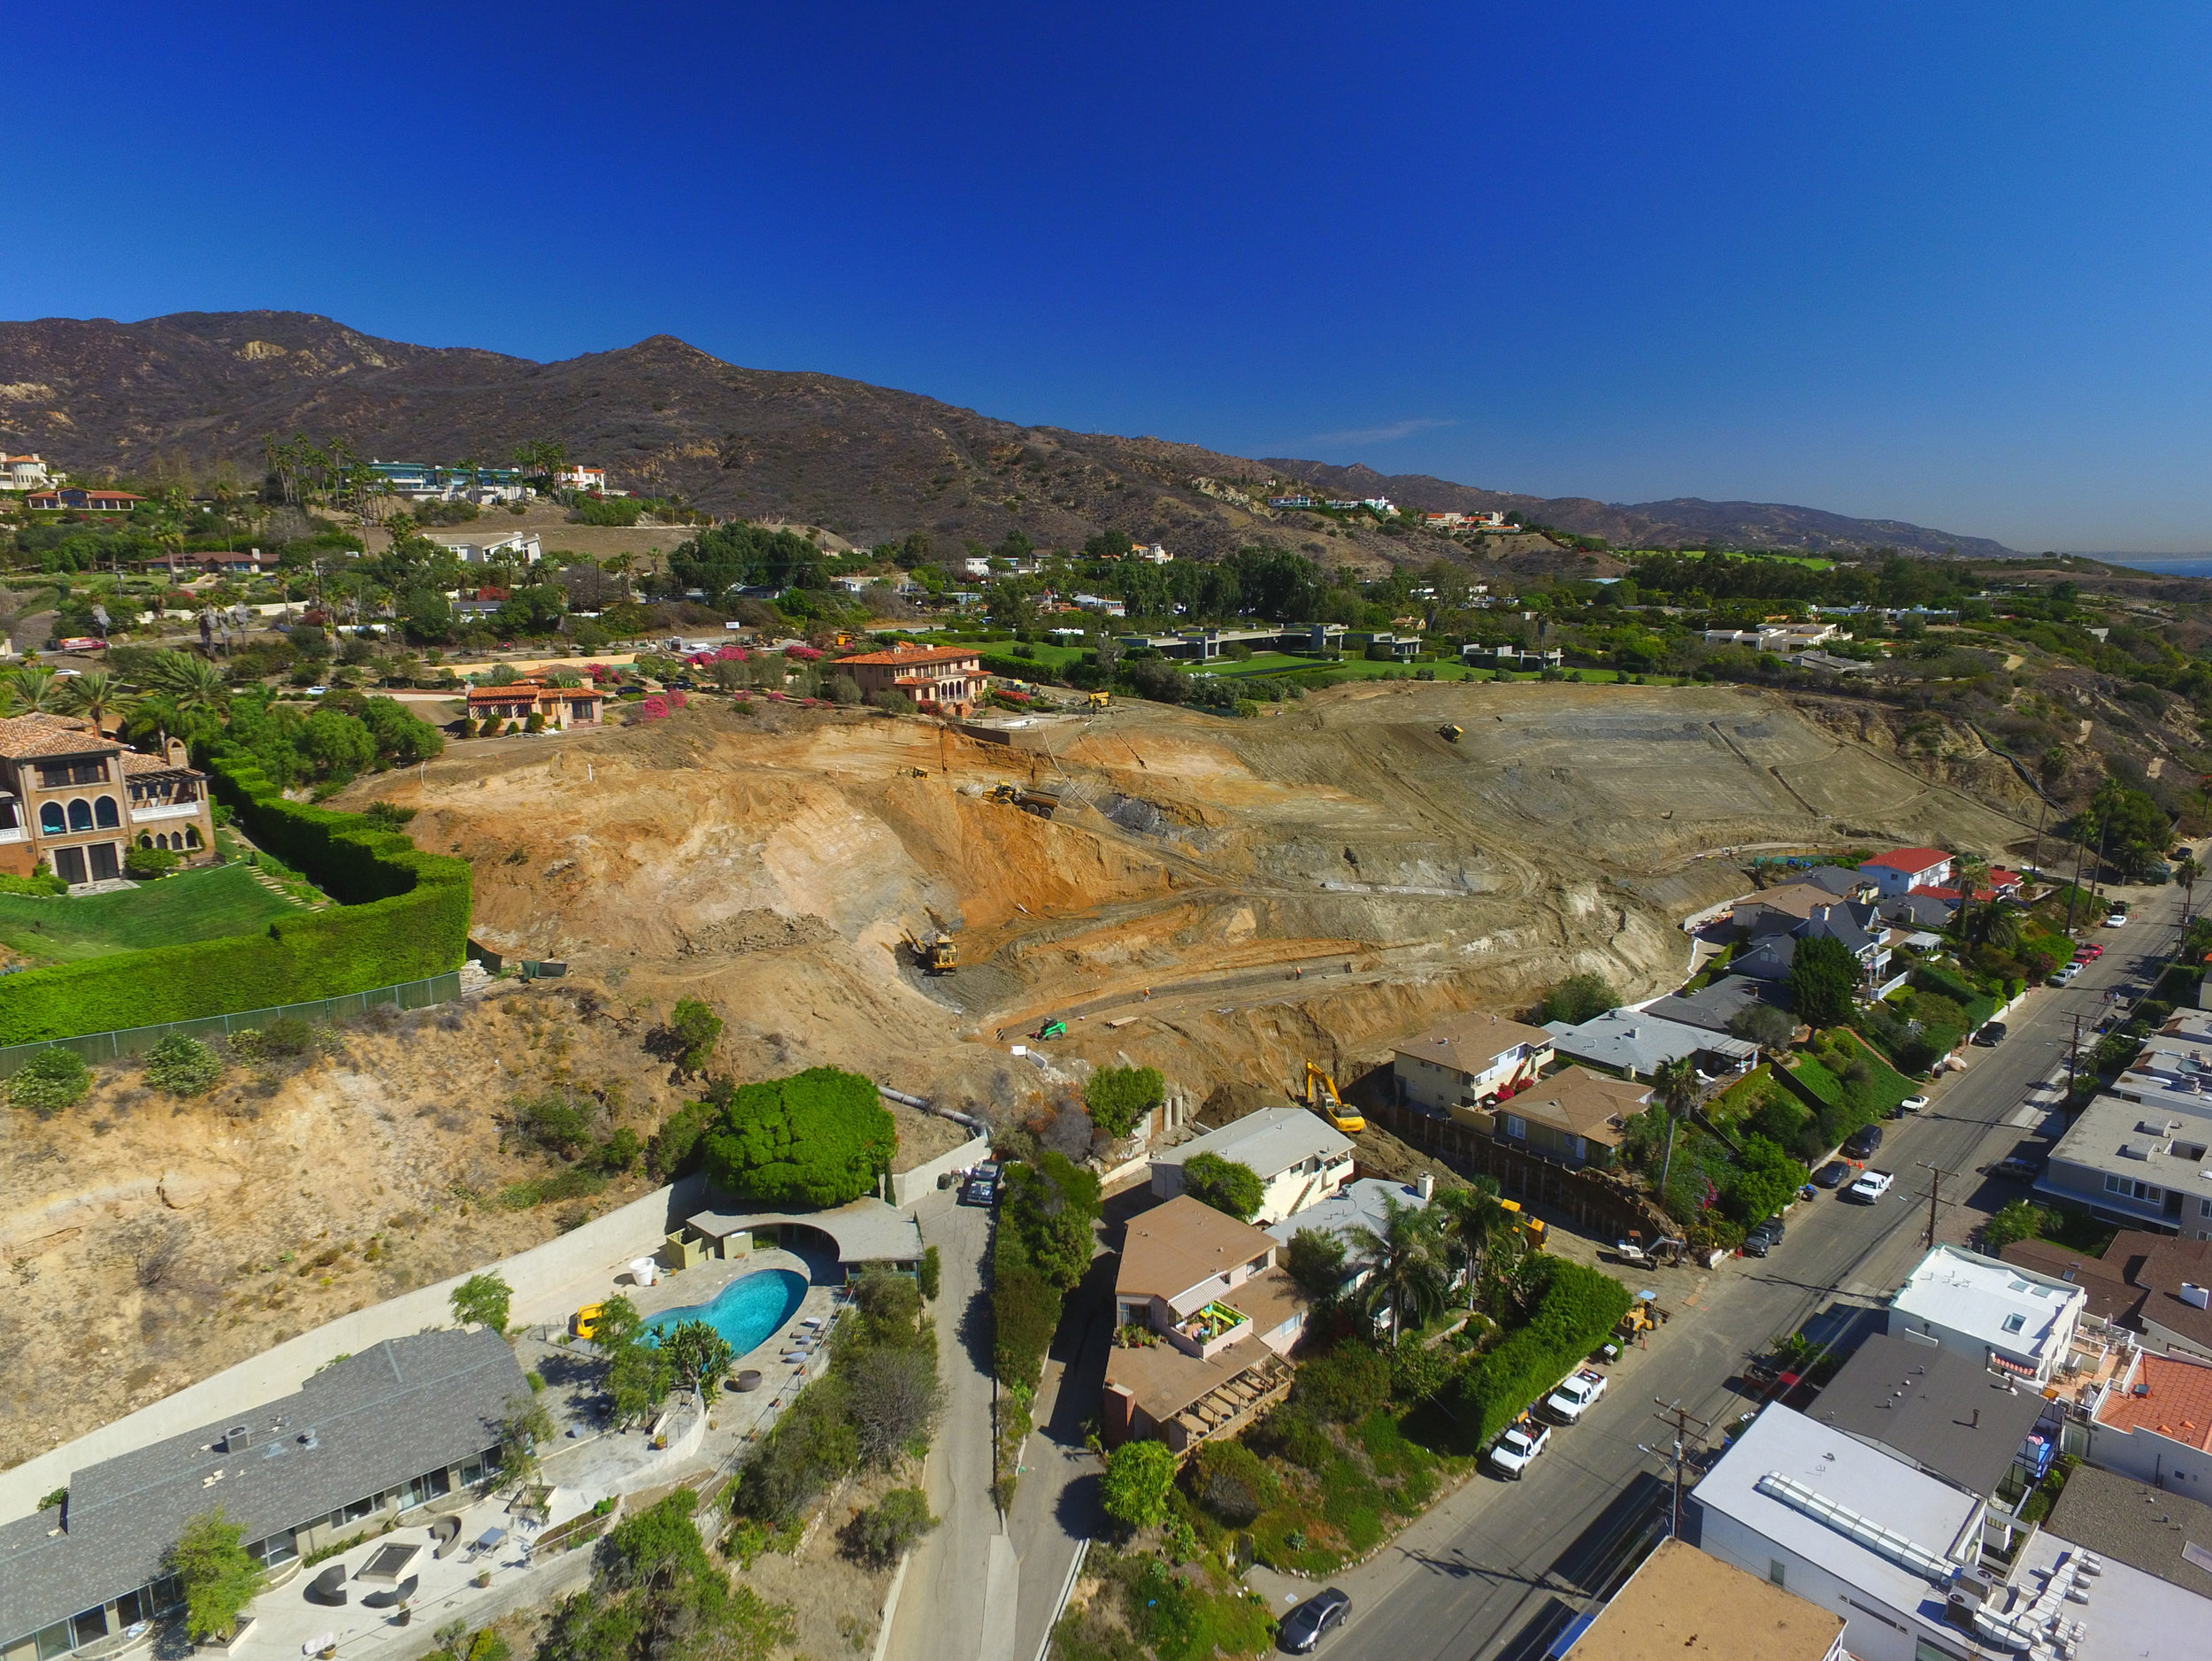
908, 1186
539, 1277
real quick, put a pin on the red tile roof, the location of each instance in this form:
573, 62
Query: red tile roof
1907, 859
903, 658
26, 736
2177, 1402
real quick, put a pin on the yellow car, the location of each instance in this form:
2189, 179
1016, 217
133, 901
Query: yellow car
586, 1322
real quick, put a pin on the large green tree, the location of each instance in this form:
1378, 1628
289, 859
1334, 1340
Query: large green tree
818, 1138
1407, 1277
1119, 1097
218, 1577
1135, 1490
1823, 978
1224, 1185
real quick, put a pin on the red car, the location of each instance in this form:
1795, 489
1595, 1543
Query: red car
2089, 954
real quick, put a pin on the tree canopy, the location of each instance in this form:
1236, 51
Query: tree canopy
818, 1138
1823, 977
1119, 1097
218, 1577
1224, 1185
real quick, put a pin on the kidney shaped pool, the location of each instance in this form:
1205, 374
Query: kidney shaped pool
748, 1312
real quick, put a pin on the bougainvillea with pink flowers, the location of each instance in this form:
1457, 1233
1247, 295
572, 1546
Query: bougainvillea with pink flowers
801, 654
680, 697
654, 708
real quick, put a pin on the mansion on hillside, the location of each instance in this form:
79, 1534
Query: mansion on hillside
76, 801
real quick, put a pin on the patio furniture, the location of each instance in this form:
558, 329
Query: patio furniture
392, 1596
749, 1380
445, 1533
490, 1540
329, 1586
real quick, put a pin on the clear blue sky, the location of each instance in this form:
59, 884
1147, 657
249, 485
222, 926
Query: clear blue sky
1944, 264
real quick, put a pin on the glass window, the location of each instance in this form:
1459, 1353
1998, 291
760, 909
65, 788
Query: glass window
2013, 1323
105, 814
80, 815
359, 1509
1776, 1573
168, 1593
281, 1547
53, 1641
51, 819
90, 1626
132, 1608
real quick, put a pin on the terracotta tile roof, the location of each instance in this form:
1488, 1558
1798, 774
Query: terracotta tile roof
898, 658
2177, 1402
137, 762
1907, 859
1173, 1247
25, 736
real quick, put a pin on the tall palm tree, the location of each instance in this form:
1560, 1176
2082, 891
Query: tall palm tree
37, 688
189, 682
2186, 871
1478, 1222
96, 694
1677, 1082
1405, 1268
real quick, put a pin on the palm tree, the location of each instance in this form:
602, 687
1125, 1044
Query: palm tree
1404, 1267
1479, 1223
189, 682
96, 694
1677, 1082
37, 688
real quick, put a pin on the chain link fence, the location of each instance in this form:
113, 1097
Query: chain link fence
95, 1047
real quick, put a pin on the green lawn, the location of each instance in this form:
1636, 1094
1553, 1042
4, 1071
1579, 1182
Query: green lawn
193, 905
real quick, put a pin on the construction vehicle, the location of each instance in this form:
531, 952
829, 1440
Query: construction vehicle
937, 955
1450, 733
1099, 700
1644, 1316
1530, 1223
1004, 793
1321, 1096
1053, 1028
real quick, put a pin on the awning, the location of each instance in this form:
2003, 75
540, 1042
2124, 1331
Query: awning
2013, 1367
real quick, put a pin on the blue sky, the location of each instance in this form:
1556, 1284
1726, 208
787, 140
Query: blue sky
1943, 263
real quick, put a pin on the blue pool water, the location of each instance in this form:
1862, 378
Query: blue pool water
748, 1311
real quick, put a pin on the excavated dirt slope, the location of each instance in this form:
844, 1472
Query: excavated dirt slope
1219, 898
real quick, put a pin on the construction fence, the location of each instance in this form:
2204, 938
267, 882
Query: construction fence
131, 1041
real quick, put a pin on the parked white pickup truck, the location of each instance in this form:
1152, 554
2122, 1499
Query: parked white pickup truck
1576, 1393
1513, 1452
1871, 1186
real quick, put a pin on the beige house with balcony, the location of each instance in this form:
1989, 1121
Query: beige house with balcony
74, 801
1204, 1318
1470, 1060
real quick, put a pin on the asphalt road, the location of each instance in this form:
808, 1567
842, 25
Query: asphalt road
1498, 1567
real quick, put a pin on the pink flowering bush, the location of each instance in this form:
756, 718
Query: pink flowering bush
803, 654
679, 698
654, 708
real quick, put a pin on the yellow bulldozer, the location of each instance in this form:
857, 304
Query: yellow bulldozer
937, 955
1451, 734
1099, 700
1321, 1096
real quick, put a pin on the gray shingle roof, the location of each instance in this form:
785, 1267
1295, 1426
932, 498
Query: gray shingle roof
1937, 1409
372, 1422
2142, 1526
1639, 1041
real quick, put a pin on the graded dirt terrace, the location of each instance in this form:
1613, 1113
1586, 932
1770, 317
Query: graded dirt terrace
1222, 899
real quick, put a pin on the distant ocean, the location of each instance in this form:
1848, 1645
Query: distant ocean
2163, 565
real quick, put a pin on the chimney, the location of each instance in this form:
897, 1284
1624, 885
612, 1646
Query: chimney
179, 757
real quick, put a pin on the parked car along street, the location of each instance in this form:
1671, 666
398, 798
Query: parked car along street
1302, 1627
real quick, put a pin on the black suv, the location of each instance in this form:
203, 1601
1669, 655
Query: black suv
1763, 1239
1862, 1141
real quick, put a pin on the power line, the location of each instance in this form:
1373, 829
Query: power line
1935, 1194
1679, 1420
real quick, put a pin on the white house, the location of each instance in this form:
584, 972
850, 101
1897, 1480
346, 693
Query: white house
1470, 1060
1902, 869
23, 472
1298, 1157
522, 548
581, 477
2003, 1316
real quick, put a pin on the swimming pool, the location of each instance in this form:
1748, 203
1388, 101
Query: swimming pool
748, 1312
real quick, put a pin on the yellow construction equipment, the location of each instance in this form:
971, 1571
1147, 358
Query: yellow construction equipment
1637, 1321
1005, 793
1450, 733
1530, 1225
937, 955
1099, 700
1321, 1096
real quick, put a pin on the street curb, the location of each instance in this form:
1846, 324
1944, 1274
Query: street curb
891, 1605
1067, 1590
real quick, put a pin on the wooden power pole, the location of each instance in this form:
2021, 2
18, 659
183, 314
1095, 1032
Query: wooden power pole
1686, 1428
1936, 1173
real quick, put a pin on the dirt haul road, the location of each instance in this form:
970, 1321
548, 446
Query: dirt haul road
772, 862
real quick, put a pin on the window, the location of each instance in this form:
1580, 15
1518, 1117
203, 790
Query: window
2204, 1208
1517, 1126
53, 1641
105, 814
1776, 1573
51, 819
81, 815
90, 1626
53, 777
2128, 1188
281, 1547
2013, 1323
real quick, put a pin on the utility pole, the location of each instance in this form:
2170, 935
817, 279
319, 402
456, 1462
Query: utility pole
1679, 1420
2073, 1051
1935, 1194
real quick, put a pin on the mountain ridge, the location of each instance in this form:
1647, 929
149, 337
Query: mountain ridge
196, 389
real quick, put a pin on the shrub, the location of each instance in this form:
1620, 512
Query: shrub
818, 1138
1025, 1312
1134, 1489
183, 1066
1223, 1184
1823, 976
880, 1534
931, 1272
43, 882
1579, 1306
49, 1081
694, 1027
482, 1301
1348, 1383
1119, 1097
146, 864
1232, 1482
1579, 998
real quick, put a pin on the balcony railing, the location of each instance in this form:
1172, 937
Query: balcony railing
163, 810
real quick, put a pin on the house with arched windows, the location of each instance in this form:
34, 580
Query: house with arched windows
74, 801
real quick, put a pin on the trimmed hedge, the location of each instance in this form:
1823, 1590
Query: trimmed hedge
1581, 1307
403, 915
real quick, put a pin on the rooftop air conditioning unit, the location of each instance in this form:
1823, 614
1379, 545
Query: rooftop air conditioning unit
238, 1438
2196, 1297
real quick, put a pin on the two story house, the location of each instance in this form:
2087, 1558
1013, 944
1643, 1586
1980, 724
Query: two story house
1471, 1059
1300, 1159
1902, 869
76, 801
1576, 1117
945, 679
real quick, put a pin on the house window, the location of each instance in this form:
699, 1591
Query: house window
105, 814
51, 819
2204, 1208
52, 778
1517, 1126
281, 1547
53, 1641
2129, 1189
81, 815
1776, 1573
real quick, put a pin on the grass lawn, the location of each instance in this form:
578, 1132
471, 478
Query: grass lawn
1887, 1087
193, 905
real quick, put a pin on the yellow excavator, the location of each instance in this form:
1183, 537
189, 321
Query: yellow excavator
937, 955
1099, 700
1321, 1096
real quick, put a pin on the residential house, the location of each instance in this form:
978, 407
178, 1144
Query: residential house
1473, 1058
2142, 1163
1152, 554
83, 500
74, 801
23, 472
1714, 1005
1204, 1318
411, 1423
1383, 644
2156, 1284
1779, 638
1575, 1116
2160, 1531
1509, 657
1842, 882
558, 707
947, 679
1828, 663
2154, 1423
1684, 1604
1636, 1044
522, 548
582, 476
1100, 603
1298, 1157
2104, 1284
1362, 1204
1996, 1314
1899, 1553
1936, 1410
1920, 909
1902, 869
423, 481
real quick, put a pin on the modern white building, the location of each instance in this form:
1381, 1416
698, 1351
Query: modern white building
522, 548
1300, 1159
24, 473
2007, 1318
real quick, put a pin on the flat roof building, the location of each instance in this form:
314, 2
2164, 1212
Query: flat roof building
2145, 1163
1684, 1604
1993, 1313
1937, 1410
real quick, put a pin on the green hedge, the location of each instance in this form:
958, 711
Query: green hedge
404, 915
1579, 1307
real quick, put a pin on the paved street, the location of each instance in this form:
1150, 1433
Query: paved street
1495, 1569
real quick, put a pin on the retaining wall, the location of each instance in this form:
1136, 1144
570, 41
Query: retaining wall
908, 1186
540, 1278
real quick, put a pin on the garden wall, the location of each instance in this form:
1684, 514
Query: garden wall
908, 1186
541, 1278
402, 915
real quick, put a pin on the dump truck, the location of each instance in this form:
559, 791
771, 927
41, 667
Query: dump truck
1321, 1096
